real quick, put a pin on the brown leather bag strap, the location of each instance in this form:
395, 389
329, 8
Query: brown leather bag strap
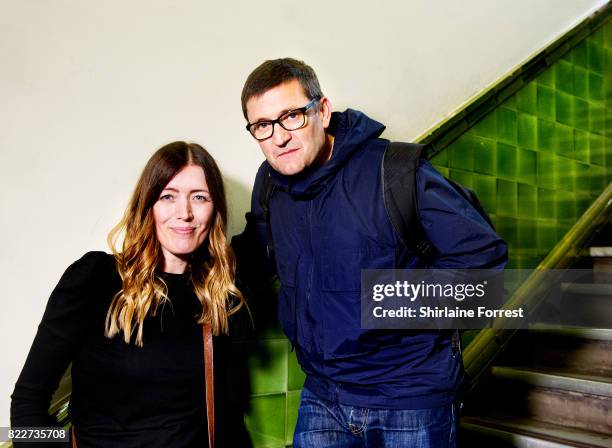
74, 445
210, 384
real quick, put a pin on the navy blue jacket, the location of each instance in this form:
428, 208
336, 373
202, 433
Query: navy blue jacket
329, 224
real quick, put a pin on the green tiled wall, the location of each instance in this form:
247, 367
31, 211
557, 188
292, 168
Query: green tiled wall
540, 159
276, 383
536, 162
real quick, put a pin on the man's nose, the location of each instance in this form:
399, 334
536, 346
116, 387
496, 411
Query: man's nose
280, 135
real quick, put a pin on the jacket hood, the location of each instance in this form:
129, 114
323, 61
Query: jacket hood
351, 129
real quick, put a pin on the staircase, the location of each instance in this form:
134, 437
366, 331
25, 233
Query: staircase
553, 386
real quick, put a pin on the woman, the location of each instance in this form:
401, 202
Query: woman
131, 322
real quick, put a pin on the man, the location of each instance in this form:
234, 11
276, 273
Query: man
326, 221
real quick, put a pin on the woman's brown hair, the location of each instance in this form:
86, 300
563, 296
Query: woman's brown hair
212, 266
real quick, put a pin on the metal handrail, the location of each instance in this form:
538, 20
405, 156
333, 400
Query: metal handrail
488, 343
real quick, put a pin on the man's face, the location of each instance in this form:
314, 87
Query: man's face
290, 152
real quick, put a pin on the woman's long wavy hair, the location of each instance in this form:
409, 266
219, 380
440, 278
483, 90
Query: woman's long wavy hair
212, 266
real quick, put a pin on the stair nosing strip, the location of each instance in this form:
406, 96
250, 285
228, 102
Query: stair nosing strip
597, 289
553, 381
511, 436
538, 434
598, 334
600, 251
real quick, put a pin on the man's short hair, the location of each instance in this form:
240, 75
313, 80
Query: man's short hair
275, 72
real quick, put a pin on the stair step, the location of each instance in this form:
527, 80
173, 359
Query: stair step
566, 398
602, 264
591, 289
597, 334
569, 381
526, 433
573, 349
583, 304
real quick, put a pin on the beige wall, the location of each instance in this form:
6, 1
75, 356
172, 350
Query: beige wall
89, 89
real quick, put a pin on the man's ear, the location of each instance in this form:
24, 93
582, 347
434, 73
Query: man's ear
325, 111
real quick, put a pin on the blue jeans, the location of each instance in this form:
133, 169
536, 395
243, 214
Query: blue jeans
324, 424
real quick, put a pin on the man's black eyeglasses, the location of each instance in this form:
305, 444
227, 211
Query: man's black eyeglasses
289, 121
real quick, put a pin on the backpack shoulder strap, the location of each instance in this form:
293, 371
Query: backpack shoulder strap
399, 166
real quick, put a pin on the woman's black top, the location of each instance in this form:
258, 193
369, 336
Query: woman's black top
122, 395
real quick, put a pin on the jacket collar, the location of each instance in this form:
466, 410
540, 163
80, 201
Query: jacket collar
351, 129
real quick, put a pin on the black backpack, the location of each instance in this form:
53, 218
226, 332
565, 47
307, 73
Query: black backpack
399, 193
399, 165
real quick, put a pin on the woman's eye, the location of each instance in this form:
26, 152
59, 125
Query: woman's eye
165, 197
201, 197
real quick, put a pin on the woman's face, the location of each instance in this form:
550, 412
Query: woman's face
182, 215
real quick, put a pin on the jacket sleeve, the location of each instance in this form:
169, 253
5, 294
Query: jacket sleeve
63, 326
462, 238
255, 266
